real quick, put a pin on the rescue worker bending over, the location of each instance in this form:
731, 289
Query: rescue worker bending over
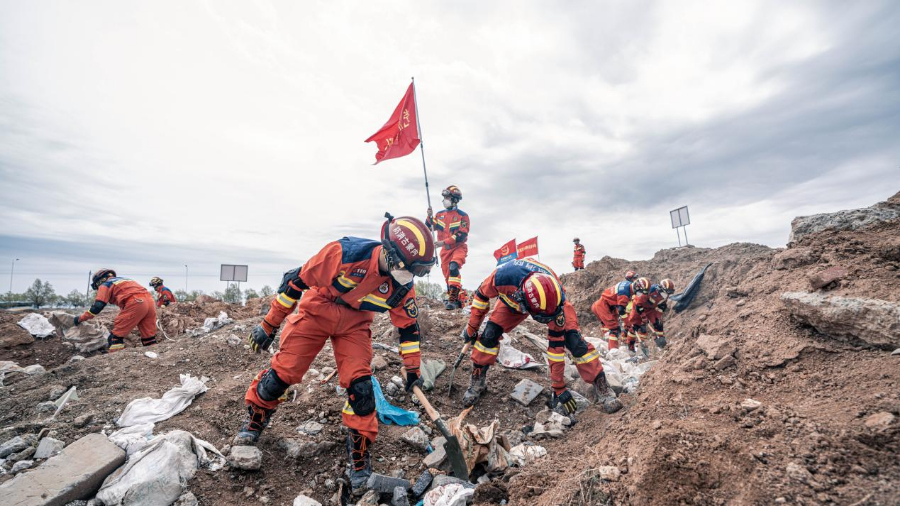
342, 287
612, 305
648, 309
526, 287
452, 226
136, 306
164, 296
578, 260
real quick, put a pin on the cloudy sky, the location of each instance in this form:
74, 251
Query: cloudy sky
146, 136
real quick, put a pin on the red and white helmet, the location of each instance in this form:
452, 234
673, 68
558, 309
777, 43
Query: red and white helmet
630, 275
543, 296
641, 285
409, 244
100, 275
668, 286
453, 192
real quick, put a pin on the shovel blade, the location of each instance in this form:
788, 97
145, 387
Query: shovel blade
457, 461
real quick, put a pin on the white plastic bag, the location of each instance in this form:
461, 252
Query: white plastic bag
133, 439
451, 494
149, 410
511, 358
524, 454
37, 325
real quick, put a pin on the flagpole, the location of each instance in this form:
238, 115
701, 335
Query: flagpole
421, 141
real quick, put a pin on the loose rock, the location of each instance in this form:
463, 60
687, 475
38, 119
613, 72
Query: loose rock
187, 499
248, 458
526, 391
310, 427
416, 438
48, 447
609, 473
21, 466
16, 445
880, 421
378, 363
302, 500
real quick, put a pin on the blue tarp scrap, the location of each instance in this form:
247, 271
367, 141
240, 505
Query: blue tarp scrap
388, 413
684, 299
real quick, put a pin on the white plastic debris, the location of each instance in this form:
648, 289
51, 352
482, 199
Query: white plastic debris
158, 474
70, 395
133, 439
37, 325
147, 409
511, 358
151, 354
451, 494
524, 454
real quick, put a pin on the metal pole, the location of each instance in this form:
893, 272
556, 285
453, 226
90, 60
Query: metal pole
679, 236
87, 291
421, 141
12, 268
686, 243
185, 279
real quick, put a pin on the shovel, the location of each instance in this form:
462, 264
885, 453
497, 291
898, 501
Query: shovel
459, 360
454, 451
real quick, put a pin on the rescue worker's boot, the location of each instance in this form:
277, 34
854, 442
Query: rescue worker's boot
360, 463
114, 343
257, 420
477, 385
605, 395
452, 301
148, 341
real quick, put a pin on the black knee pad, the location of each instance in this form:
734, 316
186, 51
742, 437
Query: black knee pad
491, 336
454, 269
575, 343
362, 396
270, 386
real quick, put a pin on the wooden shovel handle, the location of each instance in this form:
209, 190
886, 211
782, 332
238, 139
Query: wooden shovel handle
432, 413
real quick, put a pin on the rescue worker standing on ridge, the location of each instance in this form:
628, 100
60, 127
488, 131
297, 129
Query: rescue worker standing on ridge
164, 296
578, 260
136, 306
342, 287
526, 287
612, 304
452, 226
648, 308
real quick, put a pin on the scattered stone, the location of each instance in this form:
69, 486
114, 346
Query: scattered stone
248, 458
48, 448
526, 391
187, 499
434, 459
715, 347
726, 362
397, 380
310, 427
151, 354
16, 445
302, 500
83, 420
797, 472
416, 438
369, 498
422, 483
443, 479
748, 405
46, 407
35, 370
386, 484
76, 472
21, 466
25, 454
828, 276
75, 358
399, 498
233, 340
297, 450
872, 321
378, 363
852, 219
56, 391
880, 421
792, 258
741, 302
391, 389
895, 352
609, 473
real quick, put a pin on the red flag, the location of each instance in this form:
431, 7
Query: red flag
400, 135
528, 248
506, 252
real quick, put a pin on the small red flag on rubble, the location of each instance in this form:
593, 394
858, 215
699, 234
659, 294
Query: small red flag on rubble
506, 252
528, 248
400, 135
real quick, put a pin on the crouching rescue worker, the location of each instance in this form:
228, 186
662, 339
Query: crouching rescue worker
612, 305
647, 309
342, 287
164, 296
578, 260
136, 306
526, 287
452, 226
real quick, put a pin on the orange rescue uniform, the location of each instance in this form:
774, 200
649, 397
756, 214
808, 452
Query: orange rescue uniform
578, 260
164, 297
606, 308
452, 227
344, 290
136, 306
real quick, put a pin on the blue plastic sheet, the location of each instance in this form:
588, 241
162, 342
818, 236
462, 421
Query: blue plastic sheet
684, 299
388, 413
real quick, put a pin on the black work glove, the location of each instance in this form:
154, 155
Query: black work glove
468, 338
567, 401
413, 379
259, 340
76, 321
621, 310
660, 341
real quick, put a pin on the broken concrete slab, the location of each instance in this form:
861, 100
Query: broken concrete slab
871, 321
48, 447
399, 498
248, 458
386, 484
75, 473
526, 391
444, 479
437, 456
17, 444
422, 483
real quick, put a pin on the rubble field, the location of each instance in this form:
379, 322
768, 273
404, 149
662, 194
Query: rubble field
778, 386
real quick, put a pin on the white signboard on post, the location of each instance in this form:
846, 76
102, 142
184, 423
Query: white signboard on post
231, 272
680, 217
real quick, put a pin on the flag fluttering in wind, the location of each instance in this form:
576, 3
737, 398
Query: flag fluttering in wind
528, 248
400, 135
506, 252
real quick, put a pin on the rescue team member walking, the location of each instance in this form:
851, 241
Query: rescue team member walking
578, 260
164, 296
452, 226
612, 304
136, 306
345, 284
526, 287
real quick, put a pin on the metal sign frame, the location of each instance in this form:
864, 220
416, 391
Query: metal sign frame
233, 272
680, 218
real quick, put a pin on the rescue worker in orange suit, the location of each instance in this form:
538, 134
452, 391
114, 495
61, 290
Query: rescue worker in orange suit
578, 260
452, 226
342, 288
612, 304
463, 297
648, 309
526, 287
630, 276
136, 306
164, 296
